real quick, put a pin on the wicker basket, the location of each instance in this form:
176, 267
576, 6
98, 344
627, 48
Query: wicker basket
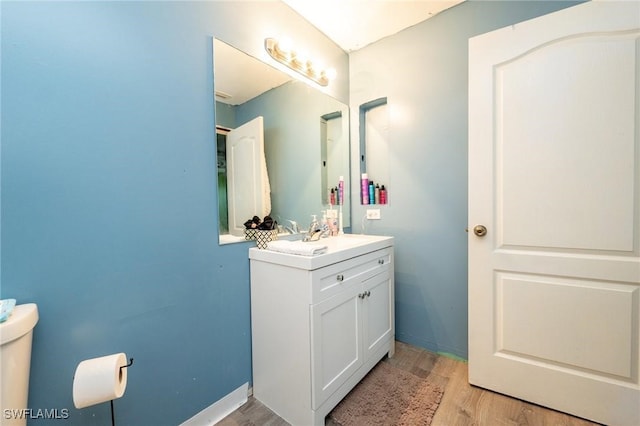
263, 237
250, 234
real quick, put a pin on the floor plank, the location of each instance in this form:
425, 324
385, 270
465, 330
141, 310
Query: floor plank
461, 405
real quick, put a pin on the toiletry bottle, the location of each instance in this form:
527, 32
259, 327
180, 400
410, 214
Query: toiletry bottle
332, 198
377, 193
341, 190
383, 195
372, 193
324, 225
364, 188
332, 222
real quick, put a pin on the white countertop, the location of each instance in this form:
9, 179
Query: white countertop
338, 248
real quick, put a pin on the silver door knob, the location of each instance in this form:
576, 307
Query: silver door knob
480, 230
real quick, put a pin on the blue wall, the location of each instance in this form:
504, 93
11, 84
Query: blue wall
423, 73
109, 210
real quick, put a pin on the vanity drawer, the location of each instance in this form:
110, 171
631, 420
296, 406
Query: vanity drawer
332, 279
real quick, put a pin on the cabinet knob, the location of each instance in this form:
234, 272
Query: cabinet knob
367, 293
340, 277
381, 261
360, 295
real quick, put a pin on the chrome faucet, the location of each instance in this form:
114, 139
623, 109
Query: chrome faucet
293, 227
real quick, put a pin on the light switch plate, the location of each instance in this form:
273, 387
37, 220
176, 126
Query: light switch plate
373, 214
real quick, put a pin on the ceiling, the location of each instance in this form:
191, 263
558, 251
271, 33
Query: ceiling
353, 24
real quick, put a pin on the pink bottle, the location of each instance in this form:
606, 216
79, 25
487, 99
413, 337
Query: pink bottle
364, 191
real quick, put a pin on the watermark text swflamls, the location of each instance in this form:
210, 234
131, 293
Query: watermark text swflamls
34, 414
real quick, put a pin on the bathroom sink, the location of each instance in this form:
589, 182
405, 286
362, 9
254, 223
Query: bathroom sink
338, 248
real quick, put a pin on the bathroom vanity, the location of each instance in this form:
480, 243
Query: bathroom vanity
319, 323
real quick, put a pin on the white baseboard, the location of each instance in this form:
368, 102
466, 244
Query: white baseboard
220, 409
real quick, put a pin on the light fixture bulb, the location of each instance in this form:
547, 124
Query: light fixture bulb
283, 46
282, 51
299, 60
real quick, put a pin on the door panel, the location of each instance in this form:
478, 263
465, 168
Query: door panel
335, 343
378, 324
554, 172
536, 316
587, 80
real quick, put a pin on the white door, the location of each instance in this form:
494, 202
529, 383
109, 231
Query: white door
554, 177
248, 189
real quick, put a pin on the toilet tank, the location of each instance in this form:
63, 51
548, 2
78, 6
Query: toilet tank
16, 334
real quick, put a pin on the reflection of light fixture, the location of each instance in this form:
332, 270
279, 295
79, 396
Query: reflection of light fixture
283, 52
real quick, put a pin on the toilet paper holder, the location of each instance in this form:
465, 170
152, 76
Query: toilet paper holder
113, 417
99, 380
128, 365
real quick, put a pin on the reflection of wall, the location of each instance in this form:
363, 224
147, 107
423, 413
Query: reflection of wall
226, 115
336, 139
292, 146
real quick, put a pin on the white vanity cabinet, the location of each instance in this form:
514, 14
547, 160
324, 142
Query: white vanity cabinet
319, 324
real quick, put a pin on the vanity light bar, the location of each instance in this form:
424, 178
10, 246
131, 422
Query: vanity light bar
281, 52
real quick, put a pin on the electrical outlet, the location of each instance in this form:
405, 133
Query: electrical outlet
373, 214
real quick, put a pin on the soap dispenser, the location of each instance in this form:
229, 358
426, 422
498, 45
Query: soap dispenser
314, 229
314, 224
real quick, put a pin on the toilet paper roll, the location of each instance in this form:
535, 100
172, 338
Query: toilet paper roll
99, 379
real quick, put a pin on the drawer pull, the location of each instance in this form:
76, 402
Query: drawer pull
340, 277
381, 261
361, 295
367, 293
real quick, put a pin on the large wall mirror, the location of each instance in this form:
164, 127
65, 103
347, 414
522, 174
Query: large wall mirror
282, 145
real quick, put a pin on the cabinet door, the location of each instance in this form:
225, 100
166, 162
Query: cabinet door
377, 325
335, 344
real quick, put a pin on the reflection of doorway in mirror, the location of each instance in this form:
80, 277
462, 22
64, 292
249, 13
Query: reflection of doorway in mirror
223, 209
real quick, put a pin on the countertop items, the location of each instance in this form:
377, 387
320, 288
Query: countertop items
297, 247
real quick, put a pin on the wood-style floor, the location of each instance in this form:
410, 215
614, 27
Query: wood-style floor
461, 405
